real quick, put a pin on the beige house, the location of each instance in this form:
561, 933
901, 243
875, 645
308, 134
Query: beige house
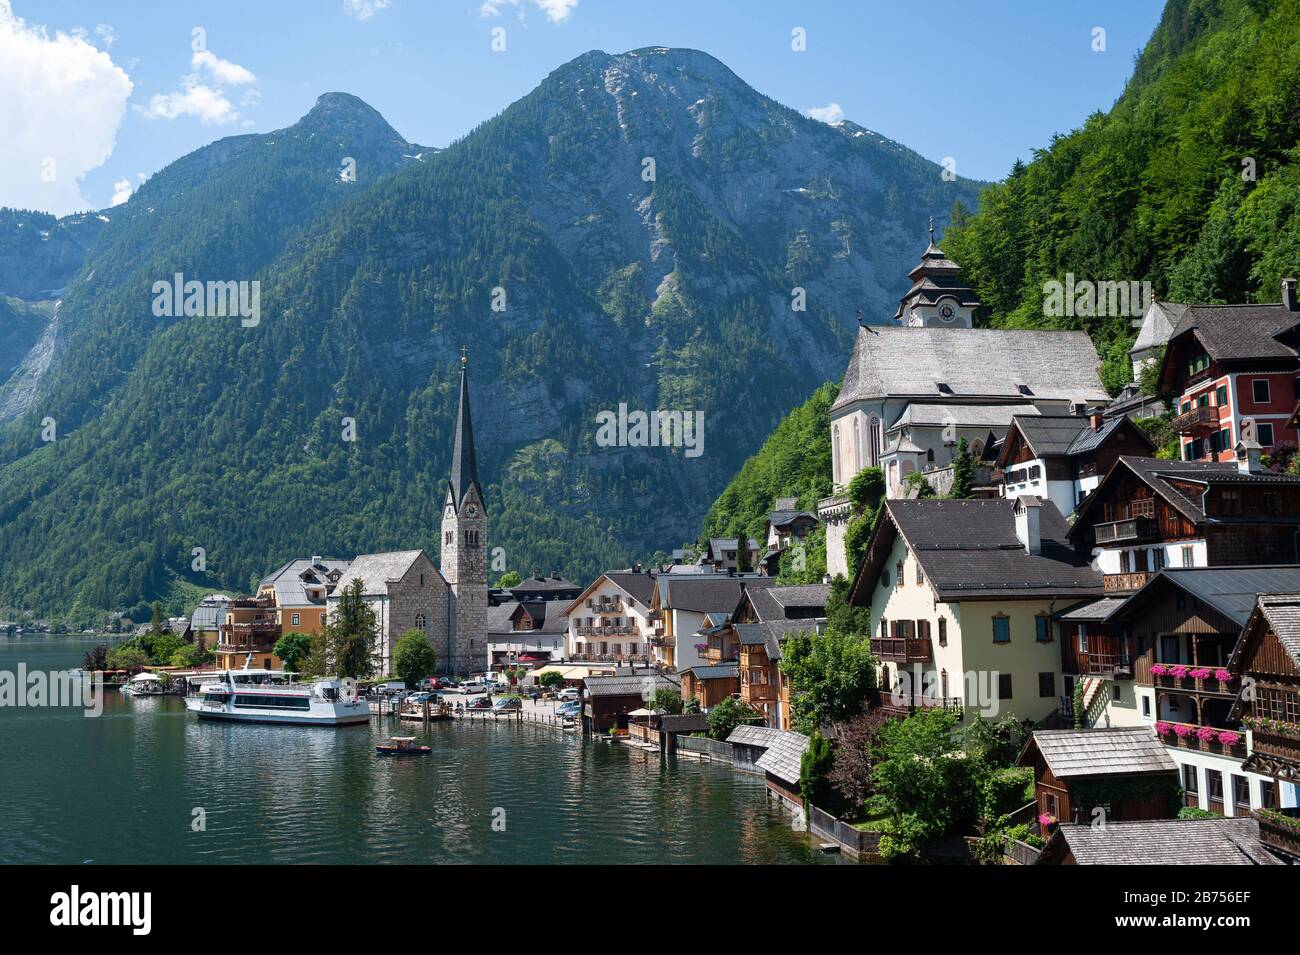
610, 621
962, 595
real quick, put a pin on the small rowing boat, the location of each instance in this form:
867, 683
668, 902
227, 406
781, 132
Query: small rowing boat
401, 746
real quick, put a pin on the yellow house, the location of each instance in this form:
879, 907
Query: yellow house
298, 591
962, 594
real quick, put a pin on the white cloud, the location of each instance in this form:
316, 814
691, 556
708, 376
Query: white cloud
202, 95
557, 11
105, 33
63, 101
831, 113
222, 71
364, 9
121, 192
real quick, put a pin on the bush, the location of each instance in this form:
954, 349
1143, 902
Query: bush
1192, 812
1004, 790
729, 714
550, 680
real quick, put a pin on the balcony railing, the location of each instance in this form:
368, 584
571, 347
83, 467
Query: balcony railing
1204, 418
1280, 831
902, 649
1277, 745
1124, 583
1190, 684
1132, 530
607, 631
608, 608
1112, 666
251, 628
1191, 740
952, 704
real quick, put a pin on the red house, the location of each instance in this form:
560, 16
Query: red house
1229, 365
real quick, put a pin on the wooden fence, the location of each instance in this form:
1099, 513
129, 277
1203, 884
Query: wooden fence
853, 842
719, 750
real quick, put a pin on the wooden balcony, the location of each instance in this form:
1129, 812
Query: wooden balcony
1235, 750
1189, 684
1197, 421
1279, 831
1135, 530
902, 649
1279, 746
1125, 583
1111, 666
952, 704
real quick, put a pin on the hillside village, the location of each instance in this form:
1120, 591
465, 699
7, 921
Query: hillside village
1021, 560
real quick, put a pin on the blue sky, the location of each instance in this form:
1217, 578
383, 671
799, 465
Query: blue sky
983, 82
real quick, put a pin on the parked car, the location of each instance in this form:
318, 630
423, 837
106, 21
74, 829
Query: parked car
572, 708
481, 703
418, 698
508, 703
475, 686
570, 694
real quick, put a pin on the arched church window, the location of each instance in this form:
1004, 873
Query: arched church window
835, 454
419, 621
873, 442
857, 446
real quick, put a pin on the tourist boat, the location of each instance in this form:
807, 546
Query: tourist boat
401, 746
144, 684
271, 696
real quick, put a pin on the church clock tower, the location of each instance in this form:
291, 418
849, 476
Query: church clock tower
464, 546
938, 298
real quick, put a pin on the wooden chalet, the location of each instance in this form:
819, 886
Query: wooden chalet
1231, 841
1269, 655
608, 699
762, 620
1123, 770
711, 684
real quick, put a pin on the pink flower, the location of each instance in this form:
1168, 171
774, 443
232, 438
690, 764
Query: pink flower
1205, 733
1223, 675
1046, 819
1179, 671
1159, 669
1228, 738
1163, 728
1182, 729
1200, 673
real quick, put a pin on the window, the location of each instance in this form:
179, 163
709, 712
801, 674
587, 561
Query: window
1189, 779
1046, 683
1240, 791
1082, 634
1146, 707
296, 619
1158, 559
1189, 557
1267, 794
1264, 435
923, 630
1043, 628
1125, 562
1215, 780
943, 631
1187, 406
1115, 693
1259, 392
1231, 502
884, 628
1004, 686
835, 456
448, 538
1221, 395
419, 621
898, 572
1203, 401
1001, 629
920, 574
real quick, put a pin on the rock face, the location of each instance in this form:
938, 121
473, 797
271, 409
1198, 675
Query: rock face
643, 230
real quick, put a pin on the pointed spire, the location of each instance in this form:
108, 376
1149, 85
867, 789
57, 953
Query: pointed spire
464, 467
932, 230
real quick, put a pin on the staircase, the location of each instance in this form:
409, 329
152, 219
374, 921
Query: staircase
1094, 700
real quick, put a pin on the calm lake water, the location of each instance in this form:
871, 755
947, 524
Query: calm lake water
123, 787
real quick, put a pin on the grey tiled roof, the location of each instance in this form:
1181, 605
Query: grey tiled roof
719, 671
783, 756
783, 518
1239, 332
969, 548
1096, 610
376, 570
973, 416
548, 615
1229, 840
498, 617
702, 594
643, 686
747, 735
1232, 591
288, 580
1157, 325
972, 362
1111, 751
802, 595
638, 585
1283, 614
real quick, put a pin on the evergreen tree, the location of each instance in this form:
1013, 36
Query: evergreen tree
963, 472
351, 633
744, 559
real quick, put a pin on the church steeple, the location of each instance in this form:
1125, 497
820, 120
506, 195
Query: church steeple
938, 297
464, 466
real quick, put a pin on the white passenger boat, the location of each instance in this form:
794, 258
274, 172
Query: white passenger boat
272, 696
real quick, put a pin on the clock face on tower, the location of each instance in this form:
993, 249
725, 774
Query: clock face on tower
946, 312
471, 510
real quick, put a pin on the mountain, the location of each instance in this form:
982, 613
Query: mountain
1190, 182
656, 285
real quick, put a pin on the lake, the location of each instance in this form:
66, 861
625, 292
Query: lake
130, 785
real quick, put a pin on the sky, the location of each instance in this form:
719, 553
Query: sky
96, 95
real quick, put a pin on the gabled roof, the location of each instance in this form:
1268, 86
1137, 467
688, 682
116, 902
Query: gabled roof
717, 671
290, 579
544, 585
1238, 336
801, 595
1281, 613
377, 570
784, 754
1068, 436
1227, 840
1114, 751
498, 618
549, 616
630, 685
1230, 591
786, 518
639, 585
969, 549
898, 361
1157, 325
705, 593
750, 735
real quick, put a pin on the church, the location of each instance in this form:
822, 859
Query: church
407, 591
916, 386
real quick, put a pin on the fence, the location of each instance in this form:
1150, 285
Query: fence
703, 746
1022, 853
854, 842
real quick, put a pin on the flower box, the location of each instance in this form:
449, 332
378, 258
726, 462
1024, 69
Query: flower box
1163, 728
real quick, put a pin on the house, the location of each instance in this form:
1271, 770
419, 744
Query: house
611, 619
1227, 367
762, 621
720, 554
1148, 514
962, 594
549, 587
206, 621
1268, 654
710, 684
1178, 634
679, 604
932, 355
249, 635
748, 744
785, 523
1159, 842
299, 591
1063, 457
527, 633
608, 699
1123, 771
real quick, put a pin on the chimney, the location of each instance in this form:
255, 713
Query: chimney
1094, 419
1248, 456
1027, 510
1289, 299
315, 558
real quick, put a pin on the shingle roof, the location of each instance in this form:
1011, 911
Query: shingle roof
801, 595
638, 585
747, 735
1157, 325
643, 686
376, 570
1283, 614
784, 753
549, 615
542, 585
926, 415
1112, 751
290, 590
719, 671
785, 518
498, 617
702, 594
972, 362
1229, 840
969, 548
1232, 591
1096, 610
1239, 332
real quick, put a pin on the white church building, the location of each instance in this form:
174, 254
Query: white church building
915, 387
